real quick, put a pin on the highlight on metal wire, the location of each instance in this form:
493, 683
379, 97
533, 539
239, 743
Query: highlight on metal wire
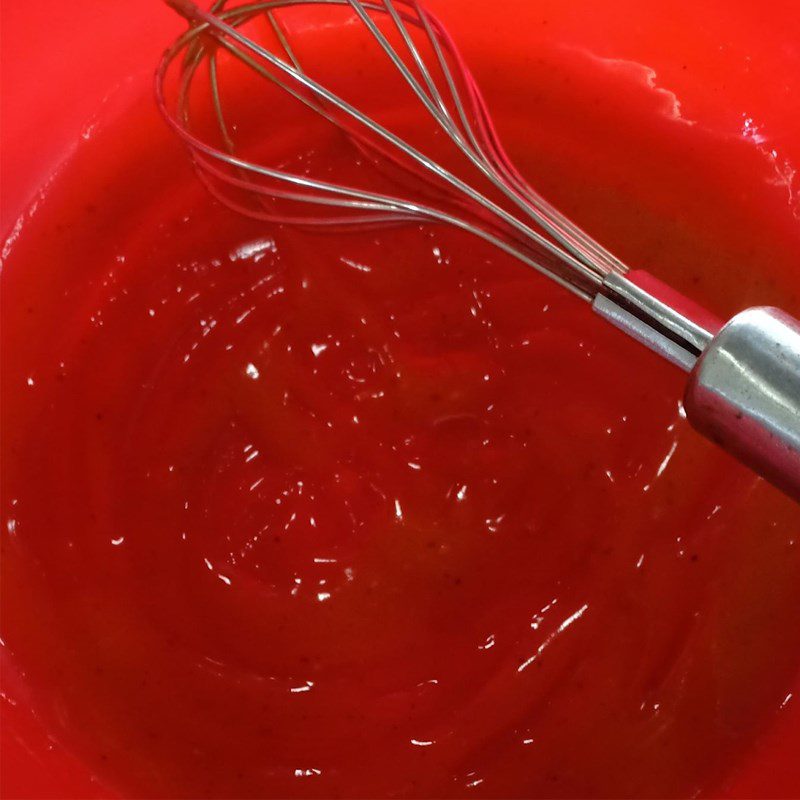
495, 203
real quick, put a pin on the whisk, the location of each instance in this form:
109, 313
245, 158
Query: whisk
743, 389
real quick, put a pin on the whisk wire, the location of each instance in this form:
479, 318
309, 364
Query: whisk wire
508, 182
562, 251
474, 154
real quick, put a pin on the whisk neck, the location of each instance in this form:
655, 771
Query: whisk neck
670, 328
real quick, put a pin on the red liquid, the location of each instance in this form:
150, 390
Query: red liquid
387, 514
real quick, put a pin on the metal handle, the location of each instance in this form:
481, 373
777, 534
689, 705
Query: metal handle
744, 382
744, 394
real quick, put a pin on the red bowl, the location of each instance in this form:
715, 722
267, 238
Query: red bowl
65, 64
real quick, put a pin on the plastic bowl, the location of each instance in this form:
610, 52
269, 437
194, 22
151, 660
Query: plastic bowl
67, 64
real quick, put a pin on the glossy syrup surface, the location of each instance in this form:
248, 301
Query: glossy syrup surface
385, 514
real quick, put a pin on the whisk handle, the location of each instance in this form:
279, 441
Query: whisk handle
744, 377
744, 394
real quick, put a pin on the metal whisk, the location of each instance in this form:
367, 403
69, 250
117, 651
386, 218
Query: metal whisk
744, 377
